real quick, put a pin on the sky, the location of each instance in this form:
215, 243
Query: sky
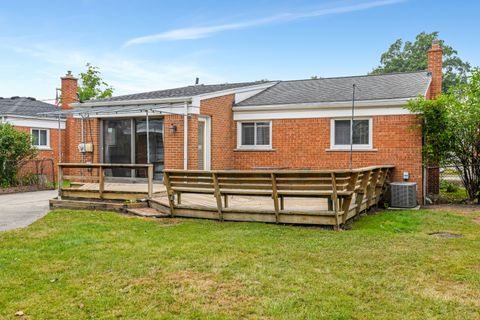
151, 45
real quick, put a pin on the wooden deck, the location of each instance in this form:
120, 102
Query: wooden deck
329, 197
248, 208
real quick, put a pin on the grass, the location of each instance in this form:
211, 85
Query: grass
458, 195
98, 265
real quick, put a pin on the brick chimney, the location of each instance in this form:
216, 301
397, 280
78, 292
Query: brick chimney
69, 90
435, 67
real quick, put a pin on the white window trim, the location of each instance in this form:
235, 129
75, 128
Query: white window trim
253, 147
368, 146
47, 147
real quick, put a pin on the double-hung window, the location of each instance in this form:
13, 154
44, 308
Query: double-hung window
362, 134
255, 135
41, 138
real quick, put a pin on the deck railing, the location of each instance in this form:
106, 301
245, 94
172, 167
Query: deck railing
348, 192
100, 168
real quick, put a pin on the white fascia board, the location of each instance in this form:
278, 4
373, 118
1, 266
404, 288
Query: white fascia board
256, 88
130, 102
319, 113
325, 105
167, 110
34, 122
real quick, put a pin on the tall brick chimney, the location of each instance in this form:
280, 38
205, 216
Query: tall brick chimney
435, 67
69, 95
69, 90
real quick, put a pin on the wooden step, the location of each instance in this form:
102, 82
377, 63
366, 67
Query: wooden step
147, 213
161, 205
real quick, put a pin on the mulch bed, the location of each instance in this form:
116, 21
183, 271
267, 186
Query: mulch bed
23, 189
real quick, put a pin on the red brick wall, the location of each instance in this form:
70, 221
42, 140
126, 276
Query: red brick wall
223, 130
91, 129
173, 142
219, 110
51, 153
304, 144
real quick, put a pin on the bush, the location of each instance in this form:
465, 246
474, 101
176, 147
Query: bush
448, 186
15, 148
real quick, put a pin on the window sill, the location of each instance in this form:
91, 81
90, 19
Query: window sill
254, 150
354, 150
43, 148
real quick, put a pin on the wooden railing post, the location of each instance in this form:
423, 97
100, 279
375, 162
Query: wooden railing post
170, 193
362, 191
348, 200
150, 180
60, 180
101, 182
218, 196
335, 201
371, 187
275, 197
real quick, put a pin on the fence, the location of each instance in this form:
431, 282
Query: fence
36, 174
449, 183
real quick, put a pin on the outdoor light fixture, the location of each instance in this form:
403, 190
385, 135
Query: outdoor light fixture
173, 128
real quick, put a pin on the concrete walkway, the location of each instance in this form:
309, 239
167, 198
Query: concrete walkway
18, 210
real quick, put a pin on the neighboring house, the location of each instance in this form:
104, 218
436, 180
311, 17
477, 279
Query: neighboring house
300, 124
27, 114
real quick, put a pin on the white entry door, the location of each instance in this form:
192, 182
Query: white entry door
204, 144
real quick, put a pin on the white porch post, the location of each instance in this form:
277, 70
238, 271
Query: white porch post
185, 137
148, 137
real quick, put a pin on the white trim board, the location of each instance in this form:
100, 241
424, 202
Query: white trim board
241, 93
337, 112
34, 122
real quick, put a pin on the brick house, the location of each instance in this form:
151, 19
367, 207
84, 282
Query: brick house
27, 114
300, 124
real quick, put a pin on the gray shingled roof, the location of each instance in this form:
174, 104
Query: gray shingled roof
370, 87
27, 107
188, 91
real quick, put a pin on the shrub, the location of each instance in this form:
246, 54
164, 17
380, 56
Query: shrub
15, 148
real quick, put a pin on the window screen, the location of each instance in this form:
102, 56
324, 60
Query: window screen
39, 137
248, 134
361, 132
255, 134
263, 133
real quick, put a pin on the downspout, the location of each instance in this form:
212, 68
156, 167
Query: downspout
59, 140
185, 137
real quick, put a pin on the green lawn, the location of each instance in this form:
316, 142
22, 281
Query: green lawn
94, 265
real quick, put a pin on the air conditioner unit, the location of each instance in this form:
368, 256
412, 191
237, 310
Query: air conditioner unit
403, 194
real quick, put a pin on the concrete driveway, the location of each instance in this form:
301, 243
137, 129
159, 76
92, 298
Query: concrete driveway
18, 210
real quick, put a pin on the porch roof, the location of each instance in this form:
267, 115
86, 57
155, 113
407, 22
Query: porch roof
98, 111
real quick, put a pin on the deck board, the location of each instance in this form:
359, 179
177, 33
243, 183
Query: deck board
259, 203
123, 187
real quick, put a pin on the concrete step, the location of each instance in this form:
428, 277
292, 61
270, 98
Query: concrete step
147, 212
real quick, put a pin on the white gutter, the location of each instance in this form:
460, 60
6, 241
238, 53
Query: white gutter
185, 137
324, 105
31, 117
129, 102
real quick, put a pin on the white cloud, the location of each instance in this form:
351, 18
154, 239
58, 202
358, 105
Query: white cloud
125, 74
202, 32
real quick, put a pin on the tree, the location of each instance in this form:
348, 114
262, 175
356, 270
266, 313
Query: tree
412, 56
92, 86
451, 129
15, 148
